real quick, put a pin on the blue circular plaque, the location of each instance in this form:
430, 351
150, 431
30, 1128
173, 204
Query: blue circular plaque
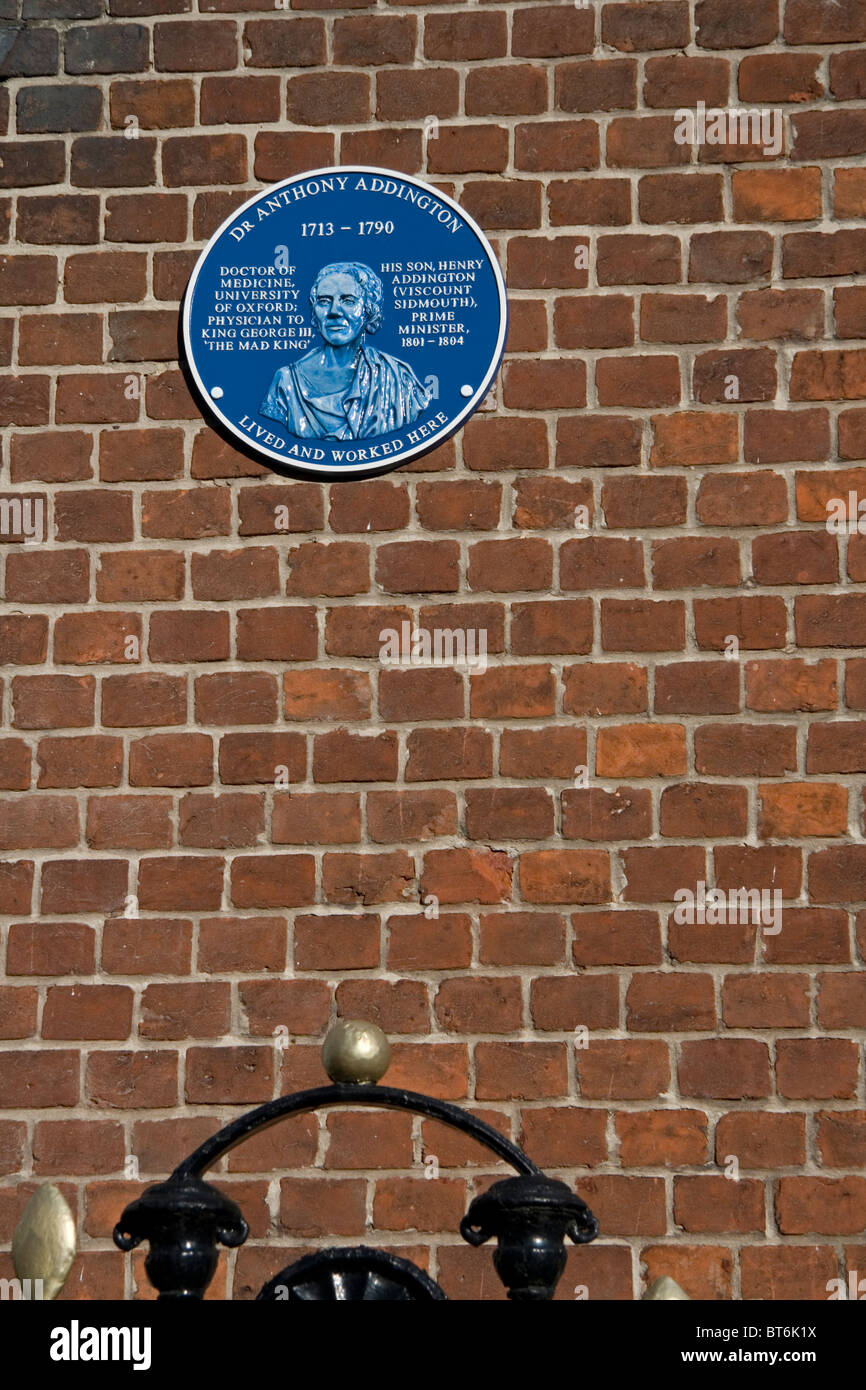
344, 322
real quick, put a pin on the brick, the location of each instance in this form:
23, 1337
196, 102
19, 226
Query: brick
106, 48
23, 639
678, 81
556, 145
286, 42
594, 321
519, 1070
167, 760
61, 948
777, 195
608, 84
766, 1001
781, 314
236, 698
94, 516
91, 761
305, 1003
129, 822
722, 1068
731, 258
593, 813
550, 627
601, 562
156, 105
49, 702
602, 202
456, 506
817, 21
105, 276
45, 110
638, 381
336, 570
197, 159
170, 1011
703, 810
623, 1070
338, 1206
841, 1137
818, 253
508, 565
848, 192
230, 944
195, 46
140, 335
515, 90
768, 751
24, 400
504, 203
43, 1078
100, 1145
16, 886
816, 1068
673, 1138
418, 567
770, 867
275, 880
545, 263
462, 148
32, 163
91, 885
110, 161
642, 625
790, 685
74, 220
693, 562
725, 24
326, 98
59, 339
638, 750
507, 813
709, 1204
87, 1012
443, 754
28, 280
467, 875
239, 100
682, 318
835, 620
757, 623
697, 687
53, 577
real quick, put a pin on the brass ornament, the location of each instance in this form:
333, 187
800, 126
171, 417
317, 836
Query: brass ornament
44, 1243
355, 1052
665, 1288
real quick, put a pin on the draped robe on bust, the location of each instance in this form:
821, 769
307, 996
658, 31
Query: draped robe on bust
384, 395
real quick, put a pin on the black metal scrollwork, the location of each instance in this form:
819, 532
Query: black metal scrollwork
185, 1218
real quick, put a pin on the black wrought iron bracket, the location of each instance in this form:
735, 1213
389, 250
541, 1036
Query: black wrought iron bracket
185, 1218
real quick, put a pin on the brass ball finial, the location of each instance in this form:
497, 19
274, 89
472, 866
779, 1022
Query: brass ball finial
356, 1052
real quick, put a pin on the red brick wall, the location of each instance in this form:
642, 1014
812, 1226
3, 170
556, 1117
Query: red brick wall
698, 387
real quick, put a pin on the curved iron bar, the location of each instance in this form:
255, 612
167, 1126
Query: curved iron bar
387, 1097
185, 1218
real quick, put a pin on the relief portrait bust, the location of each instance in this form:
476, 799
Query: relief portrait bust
345, 388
